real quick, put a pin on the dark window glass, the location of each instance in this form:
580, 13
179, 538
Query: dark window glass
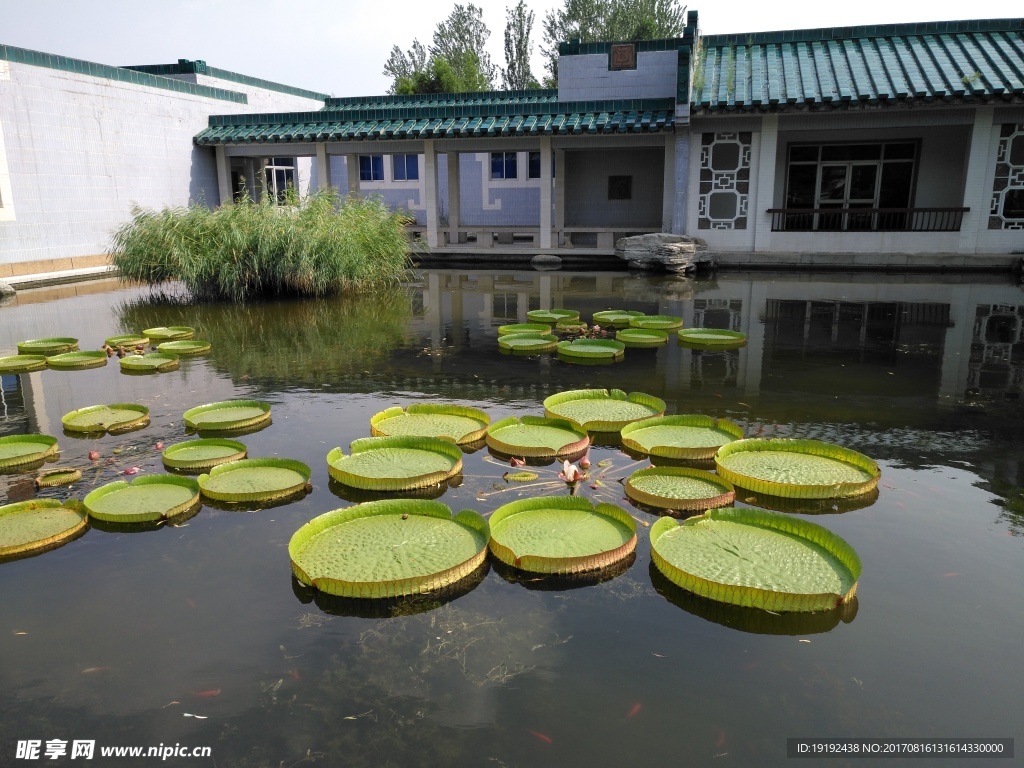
620, 187
1013, 204
806, 154
378, 167
365, 171
833, 182
285, 161
862, 182
412, 167
894, 190
800, 190
398, 167
534, 171
851, 152
511, 167
497, 165
899, 151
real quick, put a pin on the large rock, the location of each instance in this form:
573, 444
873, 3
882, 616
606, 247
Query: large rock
6, 289
659, 250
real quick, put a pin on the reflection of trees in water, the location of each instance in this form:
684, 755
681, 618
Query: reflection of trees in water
300, 343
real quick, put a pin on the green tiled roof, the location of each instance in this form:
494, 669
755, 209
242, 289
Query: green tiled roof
443, 119
200, 67
476, 98
980, 60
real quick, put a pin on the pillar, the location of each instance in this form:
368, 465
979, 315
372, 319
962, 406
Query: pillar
223, 176
430, 192
765, 196
681, 179
560, 195
454, 197
978, 184
545, 191
352, 172
668, 187
323, 168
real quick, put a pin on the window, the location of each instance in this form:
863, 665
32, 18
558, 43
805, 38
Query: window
405, 167
371, 167
280, 177
534, 165
620, 187
504, 165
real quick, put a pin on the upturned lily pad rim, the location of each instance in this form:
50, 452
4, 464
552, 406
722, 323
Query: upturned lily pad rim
126, 340
169, 460
552, 315
446, 448
50, 449
58, 476
616, 318
559, 565
682, 420
799, 490
151, 361
52, 345
225, 426
170, 332
723, 499
592, 348
532, 342
96, 427
571, 326
541, 328
429, 409
641, 337
656, 404
185, 347
577, 437
657, 322
415, 584
76, 360
701, 337
755, 597
94, 497
79, 522
22, 363
269, 494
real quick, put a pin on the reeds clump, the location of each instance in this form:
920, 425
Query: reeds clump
249, 250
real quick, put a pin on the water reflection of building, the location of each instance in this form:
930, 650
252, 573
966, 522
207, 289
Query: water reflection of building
997, 351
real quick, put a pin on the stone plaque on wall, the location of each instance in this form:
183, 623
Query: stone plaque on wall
623, 56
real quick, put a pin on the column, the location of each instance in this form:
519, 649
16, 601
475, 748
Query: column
430, 192
545, 191
668, 187
560, 196
223, 175
681, 179
352, 171
454, 197
978, 184
765, 196
323, 168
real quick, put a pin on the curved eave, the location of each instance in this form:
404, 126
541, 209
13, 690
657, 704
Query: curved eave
793, 105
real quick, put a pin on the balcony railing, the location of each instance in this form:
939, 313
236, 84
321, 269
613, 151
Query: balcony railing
867, 219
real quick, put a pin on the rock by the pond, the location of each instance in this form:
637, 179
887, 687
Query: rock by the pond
6, 289
660, 250
546, 261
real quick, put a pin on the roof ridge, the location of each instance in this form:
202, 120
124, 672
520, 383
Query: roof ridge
872, 30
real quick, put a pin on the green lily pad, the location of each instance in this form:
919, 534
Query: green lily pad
149, 363
679, 488
447, 422
227, 415
255, 480
714, 338
592, 348
51, 346
171, 333
657, 322
641, 337
388, 548
198, 455
395, 463
528, 342
22, 363
537, 437
690, 436
37, 525
561, 535
117, 417
756, 559
541, 328
144, 500
185, 348
603, 410
797, 469
571, 326
17, 450
523, 476
73, 361
56, 477
552, 316
615, 318
126, 340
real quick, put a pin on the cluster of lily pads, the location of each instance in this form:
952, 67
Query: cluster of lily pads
593, 343
62, 352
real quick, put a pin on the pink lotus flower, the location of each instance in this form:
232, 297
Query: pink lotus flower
93, 455
585, 461
159, 446
132, 471
571, 473
517, 462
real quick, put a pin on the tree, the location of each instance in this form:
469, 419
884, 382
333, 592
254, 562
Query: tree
404, 67
460, 41
439, 76
517, 74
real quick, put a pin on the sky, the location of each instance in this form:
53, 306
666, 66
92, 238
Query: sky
340, 47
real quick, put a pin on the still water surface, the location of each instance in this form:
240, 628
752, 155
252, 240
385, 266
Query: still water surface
116, 636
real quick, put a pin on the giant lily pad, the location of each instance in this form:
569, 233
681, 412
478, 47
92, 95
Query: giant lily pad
117, 417
679, 488
172, 333
22, 363
60, 476
692, 436
561, 535
571, 326
37, 525
514, 328
713, 338
532, 343
51, 346
127, 340
603, 410
606, 349
199, 455
615, 318
185, 348
73, 361
756, 559
641, 337
156, 362
144, 500
797, 469
447, 422
537, 437
255, 480
227, 415
395, 463
388, 548
552, 316
18, 450
657, 322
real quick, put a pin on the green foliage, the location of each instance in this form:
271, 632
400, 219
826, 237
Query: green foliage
517, 74
441, 76
402, 66
255, 249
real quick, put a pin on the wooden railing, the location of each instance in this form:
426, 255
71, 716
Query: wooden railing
867, 219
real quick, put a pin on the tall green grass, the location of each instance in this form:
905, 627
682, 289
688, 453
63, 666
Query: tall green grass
252, 249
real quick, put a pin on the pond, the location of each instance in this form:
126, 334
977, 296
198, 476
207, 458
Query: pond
197, 635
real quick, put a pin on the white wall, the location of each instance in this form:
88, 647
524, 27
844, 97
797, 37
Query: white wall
586, 188
586, 77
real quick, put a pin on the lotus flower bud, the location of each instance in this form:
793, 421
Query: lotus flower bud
585, 461
132, 471
517, 462
93, 455
159, 446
